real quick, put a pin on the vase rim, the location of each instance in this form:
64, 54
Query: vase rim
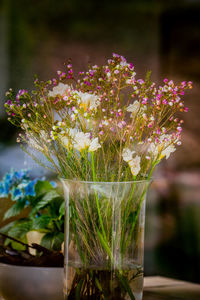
106, 182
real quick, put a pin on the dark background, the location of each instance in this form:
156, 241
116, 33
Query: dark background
163, 36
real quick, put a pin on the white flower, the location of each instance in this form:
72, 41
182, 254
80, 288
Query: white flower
135, 108
94, 145
153, 148
163, 148
108, 74
127, 154
90, 101
81, 141
59, 90
67, 139
135, 165
167, 151
123, 64
132, 79
72, 132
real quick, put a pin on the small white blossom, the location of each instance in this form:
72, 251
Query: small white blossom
132, 79
135, 165
94, 145
87, 100
163, 148
108, 74
67, 137
127, 154
167, 151
73, 117
124, 64
81, 141
65, 141
135, 107
59, 90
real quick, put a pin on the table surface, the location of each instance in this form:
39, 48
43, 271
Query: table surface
162, 288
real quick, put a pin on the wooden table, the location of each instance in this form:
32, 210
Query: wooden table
161, 288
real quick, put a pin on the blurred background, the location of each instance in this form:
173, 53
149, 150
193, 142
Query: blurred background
37, 37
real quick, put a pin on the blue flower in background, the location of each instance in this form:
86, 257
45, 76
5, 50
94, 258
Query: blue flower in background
22, 174
16, 194
23, 183
4, 189
8, 181
1, 188
8, 177
54, 184
3, 192
29, 189
19, 185
7, 188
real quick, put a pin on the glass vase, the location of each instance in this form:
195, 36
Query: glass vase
104, 239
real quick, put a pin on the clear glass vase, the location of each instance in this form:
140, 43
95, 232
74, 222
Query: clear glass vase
104, 239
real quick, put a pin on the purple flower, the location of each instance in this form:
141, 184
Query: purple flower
9, 102
131, 66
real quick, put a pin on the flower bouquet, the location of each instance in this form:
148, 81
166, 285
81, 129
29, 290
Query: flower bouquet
103, 132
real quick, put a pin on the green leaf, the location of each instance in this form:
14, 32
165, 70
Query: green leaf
62, 209
54, 206
41, 222
104, 244
42, 187
58, 240
18, 246
53, 240
48, 197
14, 210
47, 240
19, 231
7, 227
20, 228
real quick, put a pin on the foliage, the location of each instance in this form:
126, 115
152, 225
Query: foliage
43, 203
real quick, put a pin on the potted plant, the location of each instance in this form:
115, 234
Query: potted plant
26, 264
103, 133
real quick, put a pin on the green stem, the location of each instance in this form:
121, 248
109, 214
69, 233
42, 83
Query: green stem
137, 212
126, 213
97, 200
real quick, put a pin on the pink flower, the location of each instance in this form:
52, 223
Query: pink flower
179, 128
